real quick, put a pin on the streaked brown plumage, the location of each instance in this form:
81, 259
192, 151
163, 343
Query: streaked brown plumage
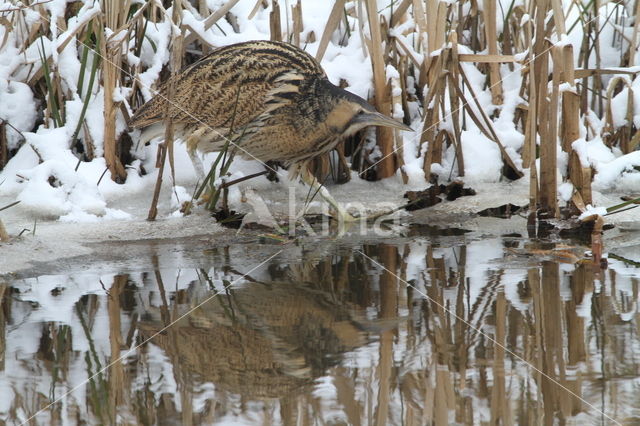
270, 98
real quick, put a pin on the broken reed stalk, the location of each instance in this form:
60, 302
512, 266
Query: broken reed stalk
436, 24
4, 235
570, 101
431, 73
485, 125
396, 99
432, 115
387, 165
330, 27
400, 12
633, 45
115, 15
549, 145
454, 102
529, 86
579, 174
192, 35
298, 25
624, 142
495, 80
619, 136
597, 78
274, 22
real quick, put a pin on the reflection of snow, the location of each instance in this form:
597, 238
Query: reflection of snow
42, 306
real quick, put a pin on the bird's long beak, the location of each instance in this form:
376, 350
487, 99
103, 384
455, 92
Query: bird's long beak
377, 119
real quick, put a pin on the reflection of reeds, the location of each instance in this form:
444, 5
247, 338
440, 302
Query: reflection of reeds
388, 310
451, 346
4, 303
98, 386
116, 369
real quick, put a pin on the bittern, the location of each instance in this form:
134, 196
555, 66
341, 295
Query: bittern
270, 101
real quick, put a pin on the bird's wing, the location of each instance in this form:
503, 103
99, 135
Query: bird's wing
282, 93
232, 86
202, 101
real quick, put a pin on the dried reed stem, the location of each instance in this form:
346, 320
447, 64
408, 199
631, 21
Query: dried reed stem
579, 175
298, 25
274, 22
4, 235
211, 20
454, 101
549, 145
386, 167
4, 144
166, 147
114, 17
495, 80
330, 27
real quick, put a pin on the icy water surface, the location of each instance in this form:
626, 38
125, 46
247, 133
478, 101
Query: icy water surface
427, 330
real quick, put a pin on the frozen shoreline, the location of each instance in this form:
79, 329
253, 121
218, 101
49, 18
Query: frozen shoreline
55, 240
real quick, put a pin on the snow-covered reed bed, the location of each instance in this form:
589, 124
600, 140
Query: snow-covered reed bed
494, 90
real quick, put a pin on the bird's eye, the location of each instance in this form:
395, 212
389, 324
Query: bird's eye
361, 112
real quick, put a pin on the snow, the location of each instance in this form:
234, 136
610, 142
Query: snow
592, 211
46, 176
487, 164
619, 173
154, 56
565, 191
57, 192
18, 107
66, 194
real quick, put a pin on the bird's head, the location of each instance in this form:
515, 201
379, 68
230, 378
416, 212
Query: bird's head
350, 113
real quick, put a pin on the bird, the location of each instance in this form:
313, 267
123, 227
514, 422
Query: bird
268, 101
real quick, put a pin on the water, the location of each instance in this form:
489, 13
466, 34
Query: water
431, 330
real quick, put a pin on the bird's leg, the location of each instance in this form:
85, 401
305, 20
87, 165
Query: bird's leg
197, 164
310, 179
192, 149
